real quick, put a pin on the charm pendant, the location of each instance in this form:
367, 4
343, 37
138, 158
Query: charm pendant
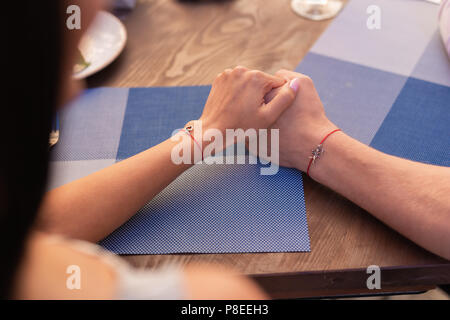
317, 152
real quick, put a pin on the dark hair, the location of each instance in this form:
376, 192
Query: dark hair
32, 73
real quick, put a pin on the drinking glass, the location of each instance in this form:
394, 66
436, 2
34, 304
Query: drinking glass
317, 9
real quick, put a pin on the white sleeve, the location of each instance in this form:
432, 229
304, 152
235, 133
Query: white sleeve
161, 284
165, 283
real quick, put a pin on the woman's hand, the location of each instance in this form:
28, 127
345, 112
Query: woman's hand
236, 100
302, 125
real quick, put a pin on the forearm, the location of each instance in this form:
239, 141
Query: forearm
412, 198
92, 207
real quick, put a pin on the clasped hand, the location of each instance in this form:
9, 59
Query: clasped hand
241, 99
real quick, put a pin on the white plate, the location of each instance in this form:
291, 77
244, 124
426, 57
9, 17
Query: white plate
102, 43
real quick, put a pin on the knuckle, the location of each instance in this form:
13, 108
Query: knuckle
284, 73
224, 74
281, 72
219, 78
240, 69
255, 75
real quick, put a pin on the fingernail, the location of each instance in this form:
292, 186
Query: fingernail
294, 84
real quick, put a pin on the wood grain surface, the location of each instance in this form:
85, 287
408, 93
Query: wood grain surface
174, 43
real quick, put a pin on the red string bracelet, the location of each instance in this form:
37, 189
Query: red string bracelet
317, 152
188, 130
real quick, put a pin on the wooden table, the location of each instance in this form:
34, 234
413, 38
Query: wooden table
174, 43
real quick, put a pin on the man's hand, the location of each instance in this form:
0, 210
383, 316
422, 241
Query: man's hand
302, 125
401, 193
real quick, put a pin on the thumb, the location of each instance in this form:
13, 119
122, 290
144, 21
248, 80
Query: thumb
282, 100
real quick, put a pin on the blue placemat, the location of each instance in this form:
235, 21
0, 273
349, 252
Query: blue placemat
387, 87
208, 209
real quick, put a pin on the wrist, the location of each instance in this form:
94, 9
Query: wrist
197, 130
310, 137
331, 149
